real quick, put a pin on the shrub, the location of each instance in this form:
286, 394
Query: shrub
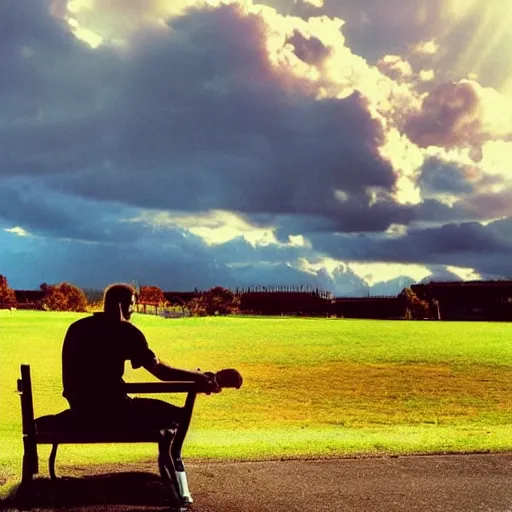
151, 295
7, 295
416, 309
63, 297
216, 301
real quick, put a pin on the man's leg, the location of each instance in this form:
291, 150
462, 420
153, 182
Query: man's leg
150, 413
155, 414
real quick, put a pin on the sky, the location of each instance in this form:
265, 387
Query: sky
355, 146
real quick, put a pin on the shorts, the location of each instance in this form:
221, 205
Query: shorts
130, 414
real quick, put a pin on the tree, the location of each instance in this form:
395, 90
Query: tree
151, 295
63, 297
216, 301
7, 295
416, 309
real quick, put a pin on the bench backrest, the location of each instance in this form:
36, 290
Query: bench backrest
27, 404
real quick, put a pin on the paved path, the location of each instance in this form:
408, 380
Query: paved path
455, 483
451, 483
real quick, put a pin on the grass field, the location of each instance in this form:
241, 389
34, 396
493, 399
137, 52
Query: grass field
313, 387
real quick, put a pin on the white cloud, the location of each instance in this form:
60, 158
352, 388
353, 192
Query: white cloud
17, 230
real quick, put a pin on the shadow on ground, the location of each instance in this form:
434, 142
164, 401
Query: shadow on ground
127, 491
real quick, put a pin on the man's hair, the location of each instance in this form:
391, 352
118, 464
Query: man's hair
116, 293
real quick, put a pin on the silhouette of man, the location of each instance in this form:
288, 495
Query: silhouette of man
93, 356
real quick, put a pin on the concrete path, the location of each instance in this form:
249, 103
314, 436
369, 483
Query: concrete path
455, 483
470, 483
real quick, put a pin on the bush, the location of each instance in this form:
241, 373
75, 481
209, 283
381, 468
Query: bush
216, 301
416, 309
7, 295
63, 297
151, 295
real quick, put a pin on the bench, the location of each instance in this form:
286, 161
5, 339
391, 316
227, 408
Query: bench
56, 429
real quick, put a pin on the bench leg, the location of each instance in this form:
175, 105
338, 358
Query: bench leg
51, 462
30, 459
166, 465
181, 476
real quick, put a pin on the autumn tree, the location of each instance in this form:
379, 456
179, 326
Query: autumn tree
7, 295
151, 295
63, 297
416, 308
216, 301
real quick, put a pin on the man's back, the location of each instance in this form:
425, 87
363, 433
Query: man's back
93, 356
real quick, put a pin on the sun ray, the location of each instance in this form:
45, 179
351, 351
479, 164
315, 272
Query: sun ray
490, 22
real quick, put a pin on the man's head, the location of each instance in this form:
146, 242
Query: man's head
119, 301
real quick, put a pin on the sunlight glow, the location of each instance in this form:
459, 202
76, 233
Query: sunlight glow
489, 35
383, 271
406, 158
214, 227
17, 230
85, 35
466, 274
79, 5
371, 273
427, 48
497, 159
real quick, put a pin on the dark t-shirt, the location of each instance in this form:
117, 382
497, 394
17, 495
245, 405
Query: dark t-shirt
93, 356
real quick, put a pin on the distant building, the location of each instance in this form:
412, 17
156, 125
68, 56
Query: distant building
179, 298
285, 303
469, 300
368, 307
29, 299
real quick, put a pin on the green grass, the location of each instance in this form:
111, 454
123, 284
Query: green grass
313, 387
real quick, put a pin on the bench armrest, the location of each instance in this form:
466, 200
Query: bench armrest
162, 387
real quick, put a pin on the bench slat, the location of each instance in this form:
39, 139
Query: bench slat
97, 437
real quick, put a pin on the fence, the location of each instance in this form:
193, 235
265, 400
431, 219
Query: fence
164, 311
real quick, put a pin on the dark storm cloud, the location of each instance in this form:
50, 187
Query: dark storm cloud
357, 214
172, 266
480, 206
179, 261
28, 204
488, 249
438, 175
192, 118
450, 117
310, 50
50, 99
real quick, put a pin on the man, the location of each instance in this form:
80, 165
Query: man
93, 356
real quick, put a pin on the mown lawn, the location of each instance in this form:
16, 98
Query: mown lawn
313, 387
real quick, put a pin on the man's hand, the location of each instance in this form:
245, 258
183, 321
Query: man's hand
229, 378
210, 383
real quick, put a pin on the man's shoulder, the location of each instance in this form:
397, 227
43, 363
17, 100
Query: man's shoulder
100, 320
132, 329
83, 321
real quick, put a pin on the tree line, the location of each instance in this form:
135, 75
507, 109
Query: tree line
65, 296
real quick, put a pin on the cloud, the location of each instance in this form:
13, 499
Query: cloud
45, 212
459, 115
395, 67
198, 116
242, 126
472, 245
457, 38
439, 176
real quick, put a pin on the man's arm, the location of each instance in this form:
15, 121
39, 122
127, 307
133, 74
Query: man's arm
165, 372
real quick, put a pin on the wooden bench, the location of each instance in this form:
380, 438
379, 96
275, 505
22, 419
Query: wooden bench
169, 440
